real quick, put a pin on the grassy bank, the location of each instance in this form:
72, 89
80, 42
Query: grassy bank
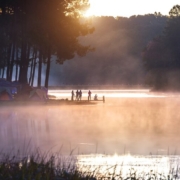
47, 167
38, 168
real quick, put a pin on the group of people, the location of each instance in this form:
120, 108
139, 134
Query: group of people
78, 95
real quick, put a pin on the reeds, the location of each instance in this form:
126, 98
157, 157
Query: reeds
47, 166
39, 167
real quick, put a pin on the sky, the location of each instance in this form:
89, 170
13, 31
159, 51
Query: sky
127, 8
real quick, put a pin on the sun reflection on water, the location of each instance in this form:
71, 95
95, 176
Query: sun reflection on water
126, 93
124, 165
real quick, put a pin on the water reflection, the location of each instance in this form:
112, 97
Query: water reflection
135, 125
140, 167
126, 93
23, 126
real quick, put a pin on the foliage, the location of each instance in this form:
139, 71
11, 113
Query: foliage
172, 36
117, 58
38, 30
161, 56
37, 167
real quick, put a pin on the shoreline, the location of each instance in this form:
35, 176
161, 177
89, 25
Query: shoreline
50, 102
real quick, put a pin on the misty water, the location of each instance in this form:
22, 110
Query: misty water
135, 122
138, 122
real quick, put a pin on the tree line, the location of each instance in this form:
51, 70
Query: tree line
140, 50
161, 56
32, 31
118, 44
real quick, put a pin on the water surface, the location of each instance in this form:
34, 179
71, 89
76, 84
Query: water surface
141, 123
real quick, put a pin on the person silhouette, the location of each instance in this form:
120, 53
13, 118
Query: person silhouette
77, 95
89, 95
72, 95
80, 95
95, 97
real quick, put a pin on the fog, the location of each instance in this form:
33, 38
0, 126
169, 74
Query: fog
116, 58
121, 125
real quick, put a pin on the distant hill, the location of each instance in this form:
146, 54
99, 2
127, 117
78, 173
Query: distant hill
117, 59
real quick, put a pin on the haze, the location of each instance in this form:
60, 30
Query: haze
127, 8
124, 125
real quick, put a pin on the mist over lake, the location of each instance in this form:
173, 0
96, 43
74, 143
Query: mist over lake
130, 124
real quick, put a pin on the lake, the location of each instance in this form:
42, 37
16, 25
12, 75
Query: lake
136, 122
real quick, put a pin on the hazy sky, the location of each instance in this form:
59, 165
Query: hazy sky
129, 7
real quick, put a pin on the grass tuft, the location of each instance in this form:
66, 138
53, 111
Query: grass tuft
52, 167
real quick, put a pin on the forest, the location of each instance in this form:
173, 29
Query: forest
136, 51
117, 56
35, 47
32, 31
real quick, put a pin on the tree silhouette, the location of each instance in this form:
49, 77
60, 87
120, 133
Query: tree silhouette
172, 35
38, 30
162, 55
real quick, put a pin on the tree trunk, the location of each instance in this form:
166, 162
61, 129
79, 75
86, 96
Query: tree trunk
48, 67
8, 62
39, 68
23, 66
13, 36
12, 62
3, 72
31, 69
34, 68
24, 51
27, 58
17, 59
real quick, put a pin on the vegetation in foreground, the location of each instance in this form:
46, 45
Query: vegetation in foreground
37, 168
45, 167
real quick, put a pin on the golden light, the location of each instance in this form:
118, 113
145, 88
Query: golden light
106, 8
127, 8
124, 164
125, 93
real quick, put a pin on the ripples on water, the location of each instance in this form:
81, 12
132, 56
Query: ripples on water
126, 165
135, 122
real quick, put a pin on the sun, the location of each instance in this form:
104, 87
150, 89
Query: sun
102, 8
114, 8
127, 8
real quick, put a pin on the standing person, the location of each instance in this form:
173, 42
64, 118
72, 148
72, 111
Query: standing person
77, 95
89, 95
80, 95
95, 97
72, 95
